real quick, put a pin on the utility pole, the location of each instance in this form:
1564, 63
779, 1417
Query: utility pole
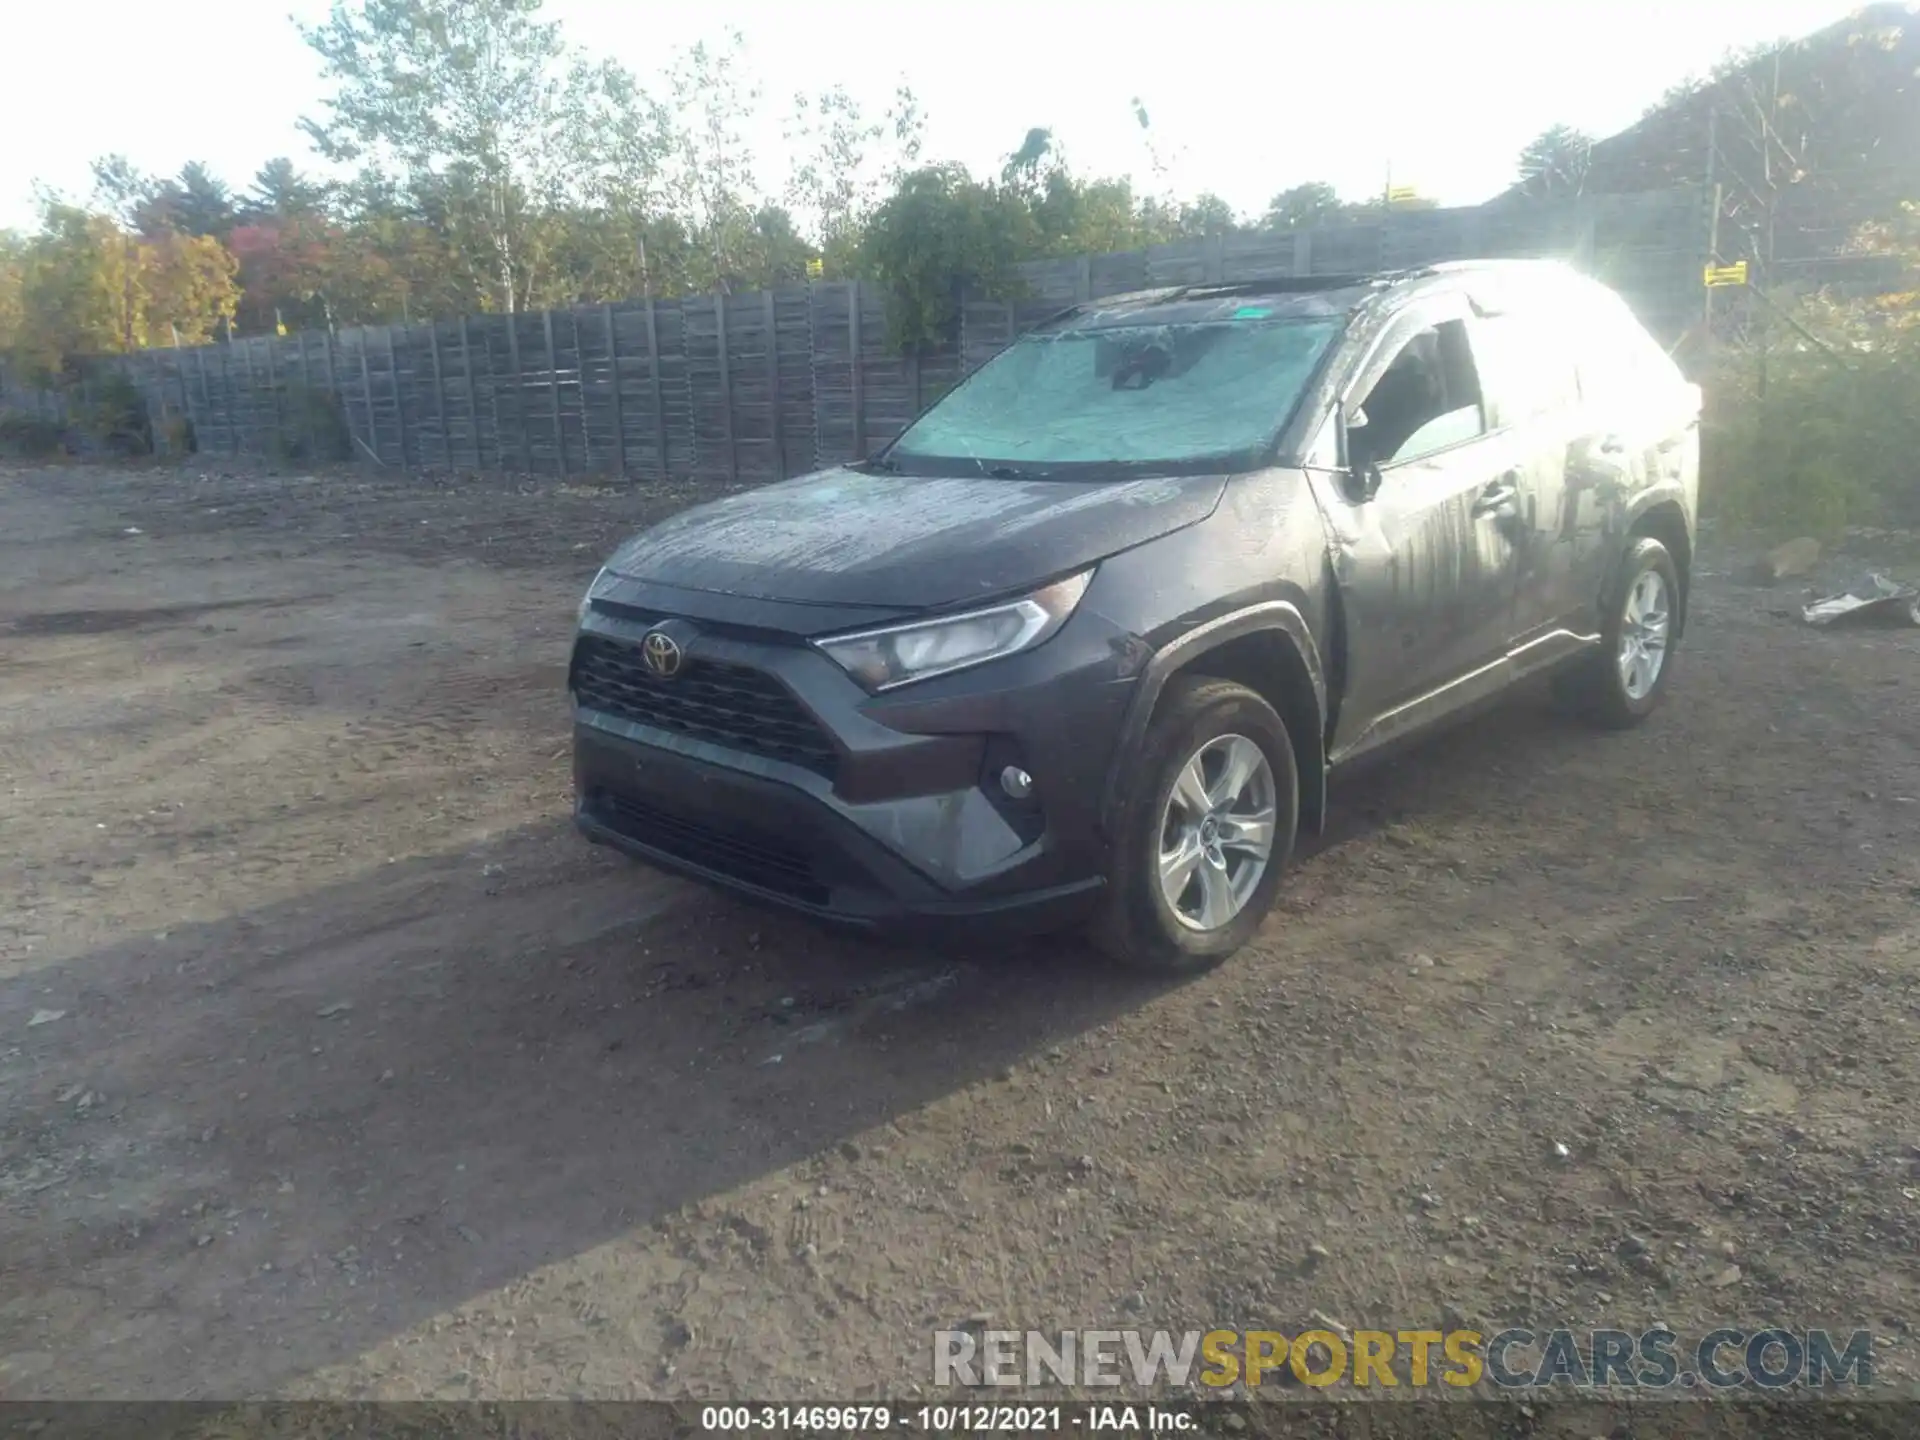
1768, 123
1748, 193
1713, 221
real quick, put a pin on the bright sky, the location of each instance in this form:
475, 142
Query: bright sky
1246, 98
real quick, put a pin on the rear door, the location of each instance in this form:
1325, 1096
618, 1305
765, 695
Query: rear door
1637, 431
1532, 389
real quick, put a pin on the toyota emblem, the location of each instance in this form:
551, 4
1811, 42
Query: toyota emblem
662, 654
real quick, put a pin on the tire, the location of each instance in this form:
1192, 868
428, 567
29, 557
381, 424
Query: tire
1603, 689
1206, 720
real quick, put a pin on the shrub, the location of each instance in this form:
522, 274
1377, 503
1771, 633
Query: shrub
1833, 439
28, 437
176, 437
312, 428
1822, 428
117, 417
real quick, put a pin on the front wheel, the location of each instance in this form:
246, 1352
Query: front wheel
1204, 837
1620, 684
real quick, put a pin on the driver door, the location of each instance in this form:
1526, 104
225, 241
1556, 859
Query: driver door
1428, 564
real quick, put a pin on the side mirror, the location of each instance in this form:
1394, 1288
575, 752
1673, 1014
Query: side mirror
1362, 474
1364, 480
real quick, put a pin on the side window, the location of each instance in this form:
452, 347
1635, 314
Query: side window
1526, 366
1427, 399
1619, 362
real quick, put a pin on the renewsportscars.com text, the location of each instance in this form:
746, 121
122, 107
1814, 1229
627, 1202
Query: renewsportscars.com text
1765, 1359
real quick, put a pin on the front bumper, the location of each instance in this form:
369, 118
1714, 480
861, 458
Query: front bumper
887, 816
770, 842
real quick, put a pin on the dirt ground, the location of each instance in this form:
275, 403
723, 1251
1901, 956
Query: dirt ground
332, 1063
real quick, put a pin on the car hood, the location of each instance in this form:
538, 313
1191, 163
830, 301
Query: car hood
853, 537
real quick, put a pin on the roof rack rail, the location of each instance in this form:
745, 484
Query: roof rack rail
1275, 284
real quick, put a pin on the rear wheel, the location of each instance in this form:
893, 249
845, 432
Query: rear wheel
1204, 839
1620, 683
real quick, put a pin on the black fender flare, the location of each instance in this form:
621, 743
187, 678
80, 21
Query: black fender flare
1652, 498
1280, 616
1657, 497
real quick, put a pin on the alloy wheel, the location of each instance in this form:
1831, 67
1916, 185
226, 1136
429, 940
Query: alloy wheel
1643, 634
1216, 835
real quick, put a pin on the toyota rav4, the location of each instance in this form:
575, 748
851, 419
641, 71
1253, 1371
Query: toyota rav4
1083, 644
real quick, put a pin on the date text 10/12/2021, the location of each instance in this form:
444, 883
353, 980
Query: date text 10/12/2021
947, 1419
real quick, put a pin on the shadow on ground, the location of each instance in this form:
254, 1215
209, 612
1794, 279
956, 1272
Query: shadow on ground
253, 1148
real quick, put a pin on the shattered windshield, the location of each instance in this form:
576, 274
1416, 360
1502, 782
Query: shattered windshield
1193, 396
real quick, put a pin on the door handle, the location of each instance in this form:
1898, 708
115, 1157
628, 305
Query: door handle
1498, 496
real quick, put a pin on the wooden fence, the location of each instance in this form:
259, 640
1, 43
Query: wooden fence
773, 384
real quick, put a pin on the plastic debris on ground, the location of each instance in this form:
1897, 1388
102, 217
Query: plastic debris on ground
1875, 600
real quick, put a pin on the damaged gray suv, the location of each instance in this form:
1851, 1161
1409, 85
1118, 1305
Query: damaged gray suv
1083, 645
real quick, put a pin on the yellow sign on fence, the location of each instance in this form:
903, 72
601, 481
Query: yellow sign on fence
1734, 274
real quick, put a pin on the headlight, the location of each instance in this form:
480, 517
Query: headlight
897, 654
586, 600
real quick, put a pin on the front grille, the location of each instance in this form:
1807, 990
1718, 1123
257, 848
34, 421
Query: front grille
757, 860
728, 705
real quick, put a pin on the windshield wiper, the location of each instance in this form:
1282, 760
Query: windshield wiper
1014, 472
883, 465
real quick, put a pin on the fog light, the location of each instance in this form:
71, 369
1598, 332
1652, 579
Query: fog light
1016, 782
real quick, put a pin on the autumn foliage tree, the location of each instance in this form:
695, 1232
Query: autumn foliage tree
88, 287
283, 268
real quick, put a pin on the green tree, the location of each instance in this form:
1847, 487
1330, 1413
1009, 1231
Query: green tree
600, 255
771, 252
195, 202
845, 160
619, 225
160, 210
463, 102
281, 192
939, 234
1094, 217
1207, 215
13, 262
407, 250
1555, 162
712, 176
1032, 161
206, 205
1301, 207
